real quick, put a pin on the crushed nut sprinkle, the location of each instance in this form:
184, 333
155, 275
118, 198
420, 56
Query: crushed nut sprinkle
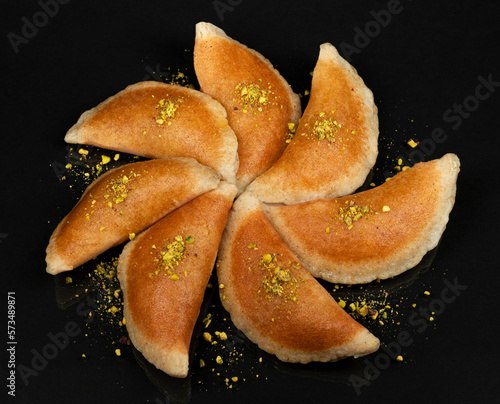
167, 110
119, 189
376, 310
352, 213
292, 128
278, 280
326, 129
253, 95
170, 256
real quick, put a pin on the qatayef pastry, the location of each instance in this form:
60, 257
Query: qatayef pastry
335, 144
375, 234
124, 201
274, 300
164, 273
158, 120
260, 104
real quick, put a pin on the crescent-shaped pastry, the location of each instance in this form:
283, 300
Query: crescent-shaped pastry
335, 144
260, 104
124, 201
375, 234
158, 120
273, 299
164, 273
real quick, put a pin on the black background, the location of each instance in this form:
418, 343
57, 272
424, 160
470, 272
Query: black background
423, 67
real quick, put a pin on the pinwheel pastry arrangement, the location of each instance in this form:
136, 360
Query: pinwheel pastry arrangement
237, 178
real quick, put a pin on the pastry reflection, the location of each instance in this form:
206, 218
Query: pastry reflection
176, 390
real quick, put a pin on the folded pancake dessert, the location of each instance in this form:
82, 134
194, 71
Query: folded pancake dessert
164, 272
260, 104
273, 299
375, 234
158, 120
335, 144
125, 201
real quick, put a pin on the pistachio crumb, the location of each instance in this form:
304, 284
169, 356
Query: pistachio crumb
412, 143
167, 110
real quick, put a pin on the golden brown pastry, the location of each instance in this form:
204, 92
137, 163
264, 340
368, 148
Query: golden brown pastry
375, 234
158, 120
335, 145
124, 201
259, 102
164, 273
274, 300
